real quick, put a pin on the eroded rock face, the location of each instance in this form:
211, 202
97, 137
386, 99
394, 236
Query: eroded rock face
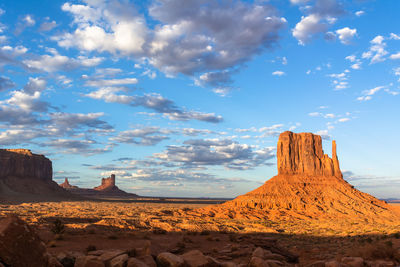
106, 183
24, 164
67, 185
302, 154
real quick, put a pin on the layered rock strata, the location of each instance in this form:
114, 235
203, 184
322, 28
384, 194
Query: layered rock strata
23, 163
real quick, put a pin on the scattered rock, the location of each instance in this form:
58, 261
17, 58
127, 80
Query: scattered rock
333, 263
256, 262
119, 261
166, 259
195, 258
353, 261
110, 254
317, 264
89, 261
20, 245
133, 262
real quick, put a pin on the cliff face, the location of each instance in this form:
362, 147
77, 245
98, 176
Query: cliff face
302, 154
107, 184
23, 163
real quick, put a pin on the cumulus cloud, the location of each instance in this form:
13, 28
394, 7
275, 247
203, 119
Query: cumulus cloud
47, 25
6, 83
111, 82
154, 102
35, 85
359, 13
201, 37
56, 62
320, 16
224, 152
340, 80
367, 94
346, 35
146, 136
395, 56
278, 73
377, 51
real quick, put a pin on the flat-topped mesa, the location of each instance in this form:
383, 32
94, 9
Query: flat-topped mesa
106, 183
23, 163
301, 153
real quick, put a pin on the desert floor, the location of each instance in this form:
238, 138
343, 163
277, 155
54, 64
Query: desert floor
180, 227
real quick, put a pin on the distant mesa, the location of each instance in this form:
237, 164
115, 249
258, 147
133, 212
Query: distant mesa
309, 184
25, 176
107, 188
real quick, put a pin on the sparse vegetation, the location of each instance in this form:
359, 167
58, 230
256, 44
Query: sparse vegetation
58, 227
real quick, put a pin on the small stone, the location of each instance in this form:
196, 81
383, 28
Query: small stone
119, 261
166, 259
274, 256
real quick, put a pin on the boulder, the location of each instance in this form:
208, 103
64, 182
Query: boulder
195, 258
20, 245
166, 259
133, 262
119, 261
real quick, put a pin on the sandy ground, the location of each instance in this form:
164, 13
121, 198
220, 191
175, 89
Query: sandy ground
180, 228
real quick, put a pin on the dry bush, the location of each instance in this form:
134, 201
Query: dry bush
377, 251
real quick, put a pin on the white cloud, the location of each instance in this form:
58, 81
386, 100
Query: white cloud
394, 36
299, 2
307, 27
395, 56
278, 73
111, 82
56, 62
359, 13
188, 40
367, 94
377, 50
343, 119
346, 35
29, 21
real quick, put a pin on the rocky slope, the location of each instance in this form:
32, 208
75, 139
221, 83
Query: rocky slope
309, 185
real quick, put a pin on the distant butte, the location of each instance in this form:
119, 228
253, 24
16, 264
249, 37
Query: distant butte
309, 184
107, 188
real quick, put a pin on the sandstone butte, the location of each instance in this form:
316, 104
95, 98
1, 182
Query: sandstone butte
309, 185
27, 176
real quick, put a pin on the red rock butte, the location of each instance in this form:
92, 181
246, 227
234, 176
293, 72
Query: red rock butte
309, 184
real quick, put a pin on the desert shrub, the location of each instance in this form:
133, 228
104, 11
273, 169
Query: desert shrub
378, 251
58, 227
397, 235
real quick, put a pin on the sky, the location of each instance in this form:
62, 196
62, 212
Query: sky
187, 98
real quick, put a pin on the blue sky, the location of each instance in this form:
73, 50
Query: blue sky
187, 98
